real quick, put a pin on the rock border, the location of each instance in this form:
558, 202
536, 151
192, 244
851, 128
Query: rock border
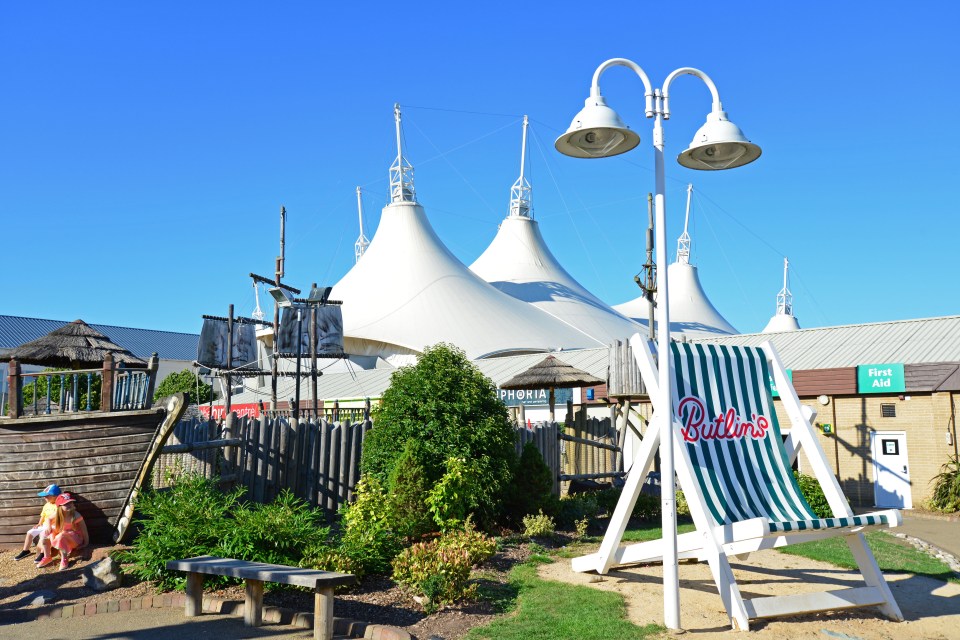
933, 551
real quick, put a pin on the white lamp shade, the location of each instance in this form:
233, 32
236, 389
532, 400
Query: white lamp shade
719, 144
596, 132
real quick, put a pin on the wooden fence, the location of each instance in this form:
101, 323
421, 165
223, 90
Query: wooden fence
320, 461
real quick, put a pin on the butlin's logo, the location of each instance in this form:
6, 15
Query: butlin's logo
729, 425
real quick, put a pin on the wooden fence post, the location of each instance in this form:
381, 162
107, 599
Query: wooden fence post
106, 386
152, 366
14, 388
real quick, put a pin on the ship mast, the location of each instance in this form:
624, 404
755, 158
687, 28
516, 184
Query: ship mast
401, 171
520, 192
362, 243
683, 243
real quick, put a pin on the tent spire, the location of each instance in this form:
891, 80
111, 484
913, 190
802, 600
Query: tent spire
520, 192
683, 244
257, 312
401, 172
362, 243
785, 298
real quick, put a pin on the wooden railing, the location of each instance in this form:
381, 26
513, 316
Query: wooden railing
82, 390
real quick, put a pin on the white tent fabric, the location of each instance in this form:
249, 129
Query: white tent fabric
691, 312
781, 322
519, 263
409, 291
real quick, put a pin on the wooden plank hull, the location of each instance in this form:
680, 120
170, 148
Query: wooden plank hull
100, 458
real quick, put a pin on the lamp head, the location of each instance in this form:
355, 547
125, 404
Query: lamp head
596, 132
281, 296
719, 144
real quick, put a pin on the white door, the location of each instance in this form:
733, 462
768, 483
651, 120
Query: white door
891, 469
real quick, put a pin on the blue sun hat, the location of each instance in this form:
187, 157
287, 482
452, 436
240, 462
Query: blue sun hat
52, 490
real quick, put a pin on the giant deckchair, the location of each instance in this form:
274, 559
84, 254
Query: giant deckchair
735, 471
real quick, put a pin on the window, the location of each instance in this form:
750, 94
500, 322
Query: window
888, 410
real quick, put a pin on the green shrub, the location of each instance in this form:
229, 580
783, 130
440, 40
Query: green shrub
683, 509
813, 494
531, 488
581, 527
439, 570
189, 519
538, 526
578, 506
369, 539
281, 532
452, 409
479, 547
187, 382
408, 488
946, 487
649, 507
459, 493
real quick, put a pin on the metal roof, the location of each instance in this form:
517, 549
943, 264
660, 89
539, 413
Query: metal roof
169, 345
903, 341
930, 340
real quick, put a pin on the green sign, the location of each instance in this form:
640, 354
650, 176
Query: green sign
773, 382
880, 378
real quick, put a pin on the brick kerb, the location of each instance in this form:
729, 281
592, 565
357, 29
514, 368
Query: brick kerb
212, 604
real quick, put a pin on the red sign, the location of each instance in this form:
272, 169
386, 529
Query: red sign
242, 410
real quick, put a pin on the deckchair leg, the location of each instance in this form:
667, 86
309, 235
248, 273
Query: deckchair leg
727, 586
628, 498
872, 575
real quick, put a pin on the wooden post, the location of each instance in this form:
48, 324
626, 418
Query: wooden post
323, 613
14, 388
313, 355
152, 366
106, 386
366, 409
336, 411
194, 604
253, 603
229, 399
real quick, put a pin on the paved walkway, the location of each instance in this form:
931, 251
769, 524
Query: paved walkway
940, 531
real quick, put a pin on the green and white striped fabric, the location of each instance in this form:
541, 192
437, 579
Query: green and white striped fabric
722, 400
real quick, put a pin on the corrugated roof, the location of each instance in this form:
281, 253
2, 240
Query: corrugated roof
905, 341
169, 345
930, 340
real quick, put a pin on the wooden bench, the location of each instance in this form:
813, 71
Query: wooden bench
257, 573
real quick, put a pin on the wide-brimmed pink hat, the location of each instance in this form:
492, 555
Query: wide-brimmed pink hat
64, 498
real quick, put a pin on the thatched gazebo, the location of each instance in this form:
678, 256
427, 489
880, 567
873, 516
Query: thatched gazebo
551, 373
76, 345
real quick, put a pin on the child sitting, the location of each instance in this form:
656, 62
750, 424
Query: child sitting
69, 533
44, 525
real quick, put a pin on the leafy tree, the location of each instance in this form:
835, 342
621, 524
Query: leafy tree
452, 410
186, 382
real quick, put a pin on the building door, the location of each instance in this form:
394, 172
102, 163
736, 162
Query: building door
891, 469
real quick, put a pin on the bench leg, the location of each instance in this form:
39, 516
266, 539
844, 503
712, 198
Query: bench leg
253, 601
194, 605
323, 613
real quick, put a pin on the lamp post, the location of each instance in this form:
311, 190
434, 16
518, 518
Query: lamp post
598, 132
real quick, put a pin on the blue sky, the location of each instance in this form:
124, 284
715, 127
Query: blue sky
145, 148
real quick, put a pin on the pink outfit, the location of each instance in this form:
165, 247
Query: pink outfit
69, 537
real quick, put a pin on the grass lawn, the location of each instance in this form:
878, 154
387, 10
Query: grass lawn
551, 610
555, 611
892, 554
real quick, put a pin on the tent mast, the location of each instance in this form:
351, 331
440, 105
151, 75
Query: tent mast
683, 244
362, 243
785, 298
520, 192
401, 171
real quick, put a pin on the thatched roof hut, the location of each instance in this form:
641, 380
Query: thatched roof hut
551, 373
76, 345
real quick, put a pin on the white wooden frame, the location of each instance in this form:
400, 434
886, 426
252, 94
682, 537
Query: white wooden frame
716, 544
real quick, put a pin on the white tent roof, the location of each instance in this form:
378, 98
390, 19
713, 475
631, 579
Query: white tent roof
691, 312
519, 263
781, 322
409, 291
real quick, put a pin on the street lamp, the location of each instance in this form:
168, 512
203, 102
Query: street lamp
598, 132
